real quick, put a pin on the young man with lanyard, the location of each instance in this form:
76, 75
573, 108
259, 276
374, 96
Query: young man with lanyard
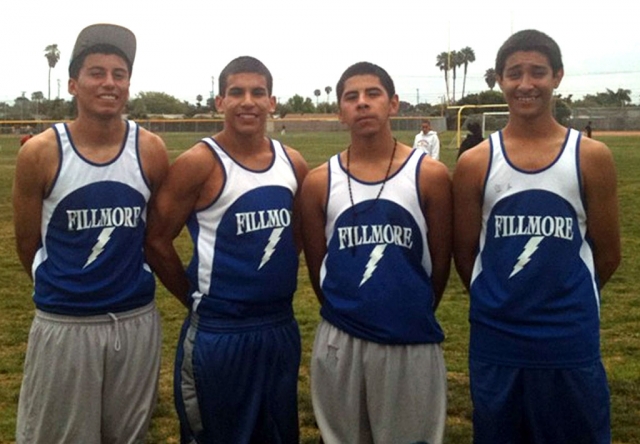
80, 200
536, 238
237, 363
377, 239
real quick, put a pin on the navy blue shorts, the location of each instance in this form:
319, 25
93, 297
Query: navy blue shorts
539, 405
238, 387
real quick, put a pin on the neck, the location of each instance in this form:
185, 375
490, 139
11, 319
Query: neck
534, 128
374, 147
235, 141
89, 130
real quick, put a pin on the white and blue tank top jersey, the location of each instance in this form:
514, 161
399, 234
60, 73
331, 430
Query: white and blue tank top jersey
91, 260
245, 262
376, 274
534, 292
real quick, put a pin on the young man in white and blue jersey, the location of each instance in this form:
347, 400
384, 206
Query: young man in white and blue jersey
236, 370
536, 238
377, 228
80, 202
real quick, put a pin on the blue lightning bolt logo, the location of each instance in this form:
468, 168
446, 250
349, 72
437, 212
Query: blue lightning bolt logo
374, 258
98, 248
525, 256
271, 246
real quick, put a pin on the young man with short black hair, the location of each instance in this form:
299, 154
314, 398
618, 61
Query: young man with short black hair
536, 238
377, 238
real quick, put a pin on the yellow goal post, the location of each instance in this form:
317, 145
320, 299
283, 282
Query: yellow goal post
463, 107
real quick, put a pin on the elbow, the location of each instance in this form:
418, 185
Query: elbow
607, 267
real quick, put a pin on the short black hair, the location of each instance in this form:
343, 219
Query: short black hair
529, 40
244, 64
78, 61
362, 69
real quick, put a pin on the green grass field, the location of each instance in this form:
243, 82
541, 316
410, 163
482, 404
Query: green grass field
620, 306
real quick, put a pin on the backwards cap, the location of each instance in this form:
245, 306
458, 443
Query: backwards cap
106, 34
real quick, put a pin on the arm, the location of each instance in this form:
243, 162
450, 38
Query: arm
415, 141
36, 165
468, 183
301, 170
603, 227
437, 207
313, 200
435, 151
154, 159
176, 198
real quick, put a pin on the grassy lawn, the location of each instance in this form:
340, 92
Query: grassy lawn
620, 306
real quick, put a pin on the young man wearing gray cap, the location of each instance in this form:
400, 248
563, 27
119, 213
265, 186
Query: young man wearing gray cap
80, 200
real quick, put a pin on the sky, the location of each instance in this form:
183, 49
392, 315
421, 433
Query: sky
183, 45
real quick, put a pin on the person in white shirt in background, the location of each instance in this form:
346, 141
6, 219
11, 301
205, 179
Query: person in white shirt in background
427, 140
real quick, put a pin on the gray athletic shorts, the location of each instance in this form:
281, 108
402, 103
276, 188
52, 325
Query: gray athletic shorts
90, 379
364, 392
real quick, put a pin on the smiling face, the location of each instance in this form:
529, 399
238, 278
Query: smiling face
102, 86
246, 103
365, 106
528, 82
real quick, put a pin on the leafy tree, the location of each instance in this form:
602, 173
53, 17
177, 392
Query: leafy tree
328, 90
620, 97
199, 100
21, 105
317, 94
282, 109
467, 56
158, 103
37, 98
52, 53
562, 111
443, 62
298, 104
490, 78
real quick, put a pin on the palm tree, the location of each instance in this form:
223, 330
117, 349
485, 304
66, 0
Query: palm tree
619, 97
328, 90
443, 62
317, 94
490, 78
52, 53
455, 61
199, 100
468, 56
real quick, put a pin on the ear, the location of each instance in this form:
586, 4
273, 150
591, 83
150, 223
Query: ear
219, 103
394, 105
71, 87
272, 104
557, 78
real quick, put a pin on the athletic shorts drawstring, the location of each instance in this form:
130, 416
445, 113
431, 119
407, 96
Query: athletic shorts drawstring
116, 345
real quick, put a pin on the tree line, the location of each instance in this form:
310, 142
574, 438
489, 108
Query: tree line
153, 103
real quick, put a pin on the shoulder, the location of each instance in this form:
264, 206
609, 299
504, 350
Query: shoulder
596, 159
317, 179
197, 161
149, 140
298, 161
433, 173
154, 156
591, 150
38, 161
40, 148
473, 164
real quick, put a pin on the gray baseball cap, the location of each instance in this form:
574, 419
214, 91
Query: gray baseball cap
106, 34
